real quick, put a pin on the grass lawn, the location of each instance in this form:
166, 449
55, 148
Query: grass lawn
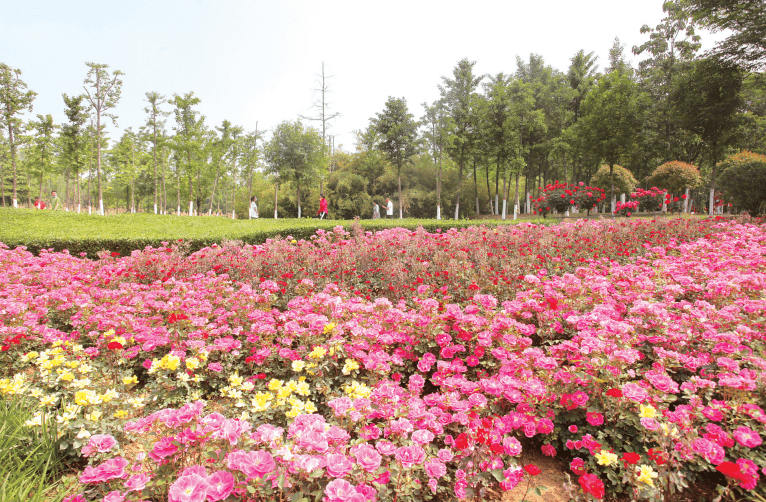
126, 232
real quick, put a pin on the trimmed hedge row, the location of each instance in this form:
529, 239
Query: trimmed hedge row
90, 234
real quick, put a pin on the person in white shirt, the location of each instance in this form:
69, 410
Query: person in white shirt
253, 207
389, 208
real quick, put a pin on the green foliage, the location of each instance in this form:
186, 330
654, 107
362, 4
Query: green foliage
624, 182
675, 176
743, 179
743, 19
29, 457
90, 234
294, 153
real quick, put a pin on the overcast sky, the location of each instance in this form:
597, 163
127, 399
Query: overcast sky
258, 60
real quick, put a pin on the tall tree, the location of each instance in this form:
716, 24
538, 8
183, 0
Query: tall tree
155, 123
398, 136
189, 138
325, 116
250, 156
74, 139
294, 152
671, 45
707, 100
611, 119
15, 98
459, 95
434, 122
42, 147
744, 19
105, 94
222, 149
502, 134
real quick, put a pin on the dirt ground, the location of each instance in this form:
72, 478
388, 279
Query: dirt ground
552, 476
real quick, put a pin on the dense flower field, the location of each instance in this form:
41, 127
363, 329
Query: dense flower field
643, 367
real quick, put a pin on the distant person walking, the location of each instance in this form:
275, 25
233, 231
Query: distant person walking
389, 209
375, 210
39, 204
322, 208
55, 201
254, 207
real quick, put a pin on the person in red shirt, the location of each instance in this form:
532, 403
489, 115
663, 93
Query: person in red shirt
322, 208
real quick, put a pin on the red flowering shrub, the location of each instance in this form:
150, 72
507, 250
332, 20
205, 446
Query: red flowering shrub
626, 209
650, 200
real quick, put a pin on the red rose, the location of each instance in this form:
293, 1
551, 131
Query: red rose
114, 346
590, 483
630, 458
115, 254
461, 443
614, 393
730, 470
532, 469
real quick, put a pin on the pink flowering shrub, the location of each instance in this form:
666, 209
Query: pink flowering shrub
646, 371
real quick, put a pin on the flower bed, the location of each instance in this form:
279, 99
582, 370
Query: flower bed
643, 373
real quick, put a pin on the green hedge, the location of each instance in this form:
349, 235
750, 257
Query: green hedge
58, 230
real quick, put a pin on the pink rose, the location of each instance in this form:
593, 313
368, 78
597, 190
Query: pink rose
367, 458
422, 436
215, 367
747, 437
511, 446
256, 464
114, 496
385, 447
339, 490
445, 455
191, 488
338, 465
163, 448
410, 455
708, 449
435, 469
635, 392
219, 485
137, 482
594, 418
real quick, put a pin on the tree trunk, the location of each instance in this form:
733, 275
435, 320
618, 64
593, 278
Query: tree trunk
439, 187
164, 190
215, 183
2, 183
14, 202
154, 154
276, 192
493, 210
475, 186
399, 176
611, 182
98, 163
459, 186
298, 186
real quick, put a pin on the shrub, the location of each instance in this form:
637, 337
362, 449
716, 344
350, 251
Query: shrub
675, 176
626, 209
562, 196
651, 200
624, 182
743, 178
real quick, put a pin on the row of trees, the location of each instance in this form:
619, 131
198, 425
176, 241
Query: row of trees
490, 138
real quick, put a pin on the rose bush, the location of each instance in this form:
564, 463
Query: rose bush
645, 371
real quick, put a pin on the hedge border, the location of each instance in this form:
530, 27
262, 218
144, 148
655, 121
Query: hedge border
124, 245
